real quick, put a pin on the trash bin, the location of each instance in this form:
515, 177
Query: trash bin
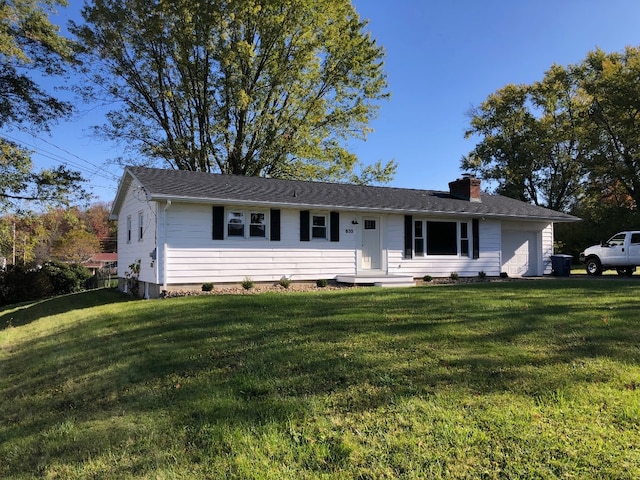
561, 265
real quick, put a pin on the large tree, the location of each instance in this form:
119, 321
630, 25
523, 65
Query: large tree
30, 43
612, 82
249, 87
570, 141
531, 140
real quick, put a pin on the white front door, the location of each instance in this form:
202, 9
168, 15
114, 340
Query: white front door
371, 252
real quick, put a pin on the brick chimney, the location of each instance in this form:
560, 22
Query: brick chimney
466, 188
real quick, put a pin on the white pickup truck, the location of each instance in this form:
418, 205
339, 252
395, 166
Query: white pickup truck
622, 252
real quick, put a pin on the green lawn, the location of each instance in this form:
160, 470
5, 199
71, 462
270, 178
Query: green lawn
527, 379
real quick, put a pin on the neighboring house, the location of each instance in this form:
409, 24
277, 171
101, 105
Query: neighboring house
187, 228
101, 261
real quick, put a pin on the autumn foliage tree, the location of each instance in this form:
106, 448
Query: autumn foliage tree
77, 246
248, 87
70, 235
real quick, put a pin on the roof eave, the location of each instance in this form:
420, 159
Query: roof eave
351, 208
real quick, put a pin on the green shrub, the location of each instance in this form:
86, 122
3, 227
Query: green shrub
247, 283
454, 276
285, 282
19, 284
482, 275
321, 283
66, 278
427, 278
504, 275
207, 287
132, 277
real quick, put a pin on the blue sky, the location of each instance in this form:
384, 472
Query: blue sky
442, 58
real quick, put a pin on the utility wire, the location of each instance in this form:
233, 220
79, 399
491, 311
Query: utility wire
95, 169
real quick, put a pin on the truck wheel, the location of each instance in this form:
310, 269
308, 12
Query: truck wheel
593, 266
625, 271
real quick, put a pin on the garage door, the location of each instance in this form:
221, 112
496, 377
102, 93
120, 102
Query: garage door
519, 253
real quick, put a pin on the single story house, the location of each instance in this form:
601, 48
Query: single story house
181, 229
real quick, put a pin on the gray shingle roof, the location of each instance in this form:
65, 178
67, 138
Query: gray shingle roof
180, 185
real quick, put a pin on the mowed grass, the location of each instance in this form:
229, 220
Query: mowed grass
528, 379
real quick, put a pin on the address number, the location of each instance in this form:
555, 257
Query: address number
348, 230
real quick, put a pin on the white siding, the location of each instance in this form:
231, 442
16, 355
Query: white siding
131, 251
194, 257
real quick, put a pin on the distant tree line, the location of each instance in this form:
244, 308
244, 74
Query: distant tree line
71, 235
570, 142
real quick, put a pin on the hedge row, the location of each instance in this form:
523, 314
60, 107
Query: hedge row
19, 284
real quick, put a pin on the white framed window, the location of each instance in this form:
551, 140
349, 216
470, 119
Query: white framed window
464, 239
129, 229
235, 223
246, 224
319, 226
258, 225
418, 238
140, 226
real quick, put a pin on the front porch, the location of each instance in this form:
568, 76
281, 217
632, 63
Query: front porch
377, 279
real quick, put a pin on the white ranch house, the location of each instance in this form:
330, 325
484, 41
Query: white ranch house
188, 228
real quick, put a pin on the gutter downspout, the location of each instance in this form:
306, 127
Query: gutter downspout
164, 246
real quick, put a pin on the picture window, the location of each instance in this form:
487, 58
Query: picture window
434, 238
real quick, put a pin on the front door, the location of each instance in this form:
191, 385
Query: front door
371, 252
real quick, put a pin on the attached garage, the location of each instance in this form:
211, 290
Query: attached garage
520, 253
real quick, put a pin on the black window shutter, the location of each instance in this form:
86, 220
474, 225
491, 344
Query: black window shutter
475, 233
408, 236
218, 223
274, 227
304, 225
334, 225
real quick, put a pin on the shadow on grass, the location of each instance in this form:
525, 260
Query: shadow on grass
196, 364
25, 313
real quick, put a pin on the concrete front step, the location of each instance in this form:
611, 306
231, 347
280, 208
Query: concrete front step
378, 280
